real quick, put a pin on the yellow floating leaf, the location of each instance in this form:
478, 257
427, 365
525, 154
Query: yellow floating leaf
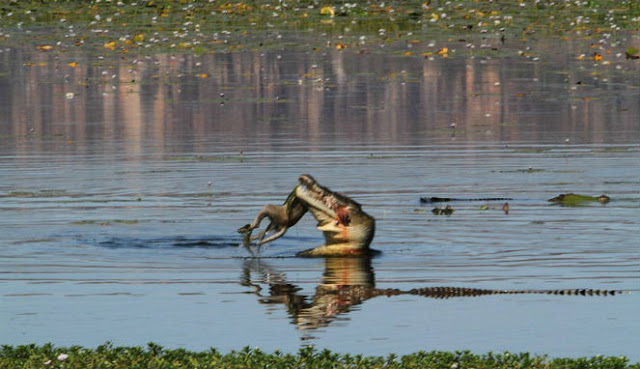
111, 45
203, 75
44, 47
139, 37
435, 16
444, 51
597, 57
408, 53
341, 46
580, 57
328, 10
72, 64
39, 64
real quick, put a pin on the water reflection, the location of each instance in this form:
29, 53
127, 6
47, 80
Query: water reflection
116, 179
348, 282
259, 97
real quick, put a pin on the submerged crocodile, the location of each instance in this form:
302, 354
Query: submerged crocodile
572, 199
565, 199
348, 282
428, 200
347, 229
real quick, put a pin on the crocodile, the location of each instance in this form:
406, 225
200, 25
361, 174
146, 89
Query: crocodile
348, 282
347, 229
569, 199
428, 200
572, 199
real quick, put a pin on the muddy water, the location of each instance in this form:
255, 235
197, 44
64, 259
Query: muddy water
122, 183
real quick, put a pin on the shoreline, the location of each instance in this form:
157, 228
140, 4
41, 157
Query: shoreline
155, 356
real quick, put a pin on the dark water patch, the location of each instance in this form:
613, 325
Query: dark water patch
114, 294
34, 240
170, 242
107, 222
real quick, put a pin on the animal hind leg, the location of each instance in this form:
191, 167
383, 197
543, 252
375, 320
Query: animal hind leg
273, 237
266, 211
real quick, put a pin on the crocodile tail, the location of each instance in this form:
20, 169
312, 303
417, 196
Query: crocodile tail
448, 292
580, 291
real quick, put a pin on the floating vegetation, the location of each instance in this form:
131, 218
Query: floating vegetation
41, 193
155, 356
385, 157
612, 149
443, 210
207, 158
528, 170
189, 26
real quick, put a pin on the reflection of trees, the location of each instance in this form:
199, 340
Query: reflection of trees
311, 97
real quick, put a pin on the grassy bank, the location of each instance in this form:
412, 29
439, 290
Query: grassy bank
154, 356
151, 26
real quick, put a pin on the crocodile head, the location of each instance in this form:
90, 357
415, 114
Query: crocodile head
347, 229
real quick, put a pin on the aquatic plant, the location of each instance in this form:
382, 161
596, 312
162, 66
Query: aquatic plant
429, 29
155, 356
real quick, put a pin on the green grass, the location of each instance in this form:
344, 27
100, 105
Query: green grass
155, 356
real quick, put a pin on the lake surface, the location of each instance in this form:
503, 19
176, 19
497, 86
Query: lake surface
122, 184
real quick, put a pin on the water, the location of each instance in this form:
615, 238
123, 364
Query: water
122, 184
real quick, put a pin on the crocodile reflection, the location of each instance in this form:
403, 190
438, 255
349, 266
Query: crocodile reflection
347, 283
